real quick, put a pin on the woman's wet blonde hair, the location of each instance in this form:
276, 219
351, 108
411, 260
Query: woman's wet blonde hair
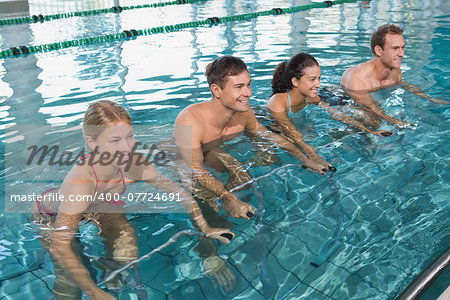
101, 114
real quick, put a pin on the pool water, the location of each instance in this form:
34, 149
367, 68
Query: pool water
369, 228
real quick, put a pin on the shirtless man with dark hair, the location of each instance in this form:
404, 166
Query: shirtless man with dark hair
202, 127
388, 48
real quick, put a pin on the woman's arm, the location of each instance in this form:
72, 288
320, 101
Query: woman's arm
307, 163
278, 111
337, 115
66, 227
291, 132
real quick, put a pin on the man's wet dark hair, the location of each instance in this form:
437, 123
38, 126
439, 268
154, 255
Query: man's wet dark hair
219, 69
379, 36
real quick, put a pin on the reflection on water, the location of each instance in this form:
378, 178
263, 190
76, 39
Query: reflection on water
386, 206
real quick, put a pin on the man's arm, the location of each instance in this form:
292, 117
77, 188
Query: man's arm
188, 133
255, 128
417, 91
188, 136
169, 186
355, 83
364, 98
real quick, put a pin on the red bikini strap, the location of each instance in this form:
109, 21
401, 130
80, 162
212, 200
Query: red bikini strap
92, 167
123, 182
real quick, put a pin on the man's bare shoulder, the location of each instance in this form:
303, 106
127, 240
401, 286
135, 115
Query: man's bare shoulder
248, 119
357, 77
192, 114
397, 75
190, 126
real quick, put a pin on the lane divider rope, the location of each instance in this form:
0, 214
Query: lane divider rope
130, 34
115, 9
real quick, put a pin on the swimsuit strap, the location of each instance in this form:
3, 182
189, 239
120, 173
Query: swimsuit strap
289, 100
92, 167
119, 202
123, 182
40, 207
97, 180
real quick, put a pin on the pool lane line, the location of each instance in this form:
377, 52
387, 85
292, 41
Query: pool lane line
132, 33
171, 240
115, 9
266, 275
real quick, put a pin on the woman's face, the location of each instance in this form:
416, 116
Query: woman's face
115, 140
309, 83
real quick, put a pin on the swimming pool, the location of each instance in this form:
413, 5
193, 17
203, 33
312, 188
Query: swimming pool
385, 209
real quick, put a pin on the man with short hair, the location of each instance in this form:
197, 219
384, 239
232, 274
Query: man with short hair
202, 127
388, 48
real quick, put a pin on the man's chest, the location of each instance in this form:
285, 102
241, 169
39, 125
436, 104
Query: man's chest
230, 131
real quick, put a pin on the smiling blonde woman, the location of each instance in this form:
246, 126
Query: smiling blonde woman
108, 133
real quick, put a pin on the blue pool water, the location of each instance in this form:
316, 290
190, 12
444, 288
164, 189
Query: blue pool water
384, 212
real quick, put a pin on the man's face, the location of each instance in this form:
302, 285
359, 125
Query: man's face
394, 50
236, 93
